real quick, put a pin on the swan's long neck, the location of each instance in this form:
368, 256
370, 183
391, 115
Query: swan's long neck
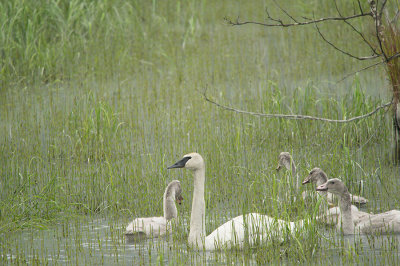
197, 220
323, 178
169, 206
323, 207
346, 221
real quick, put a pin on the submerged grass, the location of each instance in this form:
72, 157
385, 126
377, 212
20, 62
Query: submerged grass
98, 98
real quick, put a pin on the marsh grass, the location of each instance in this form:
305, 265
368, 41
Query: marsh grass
98, 98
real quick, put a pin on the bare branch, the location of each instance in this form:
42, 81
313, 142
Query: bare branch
382, 8
360, 70
337, 8
363, 37
294, 116
354, 28
359, 5
392, 57
342, 51
396, 17
378, 26
284, 11
280, 23
370, 66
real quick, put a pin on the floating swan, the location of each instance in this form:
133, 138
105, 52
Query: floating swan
157, 226
387, 222
251, 228
330, 216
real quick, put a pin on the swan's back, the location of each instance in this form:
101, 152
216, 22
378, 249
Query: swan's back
147, 227
250, 228
332, 215
387, 222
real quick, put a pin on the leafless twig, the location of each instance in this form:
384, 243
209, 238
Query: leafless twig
280, 23
358, 71
370, 66
284, 11
342, 51
359, 6
378, 27
396, 17
362, 36
295, 116
382, 8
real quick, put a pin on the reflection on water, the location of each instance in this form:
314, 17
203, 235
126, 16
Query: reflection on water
83, 242
102, 242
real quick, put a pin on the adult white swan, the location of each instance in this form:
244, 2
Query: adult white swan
387, 222
251, 228
157, 226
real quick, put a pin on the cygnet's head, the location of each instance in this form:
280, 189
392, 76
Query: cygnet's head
175, 186
334, 185
284, 161
315, 176
192, 161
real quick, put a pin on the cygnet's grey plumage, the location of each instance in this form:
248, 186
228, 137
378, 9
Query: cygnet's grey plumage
329, 215
286, 160
317, 176
387, 222
157, 226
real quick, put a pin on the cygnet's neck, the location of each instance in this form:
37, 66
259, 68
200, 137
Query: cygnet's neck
323, 207
197, 220
321, 180
170, 211
346, 221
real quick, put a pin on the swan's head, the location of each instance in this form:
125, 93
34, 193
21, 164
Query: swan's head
175, 186
192, 161
316, 176
334, 185
284, 161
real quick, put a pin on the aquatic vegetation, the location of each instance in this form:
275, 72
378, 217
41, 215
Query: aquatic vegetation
98, 98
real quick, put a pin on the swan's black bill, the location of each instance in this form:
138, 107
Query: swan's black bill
180, 164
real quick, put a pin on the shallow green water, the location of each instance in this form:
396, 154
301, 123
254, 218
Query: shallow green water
101, 242
94, 107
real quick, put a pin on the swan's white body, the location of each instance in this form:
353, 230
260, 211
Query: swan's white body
250, 228
387, 222
330, 216
157, 226
147, 227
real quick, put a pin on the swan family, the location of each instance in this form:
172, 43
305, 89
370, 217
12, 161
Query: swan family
254, 228
249, 228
